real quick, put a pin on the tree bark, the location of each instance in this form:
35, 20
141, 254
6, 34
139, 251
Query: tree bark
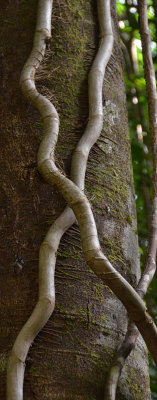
69, 358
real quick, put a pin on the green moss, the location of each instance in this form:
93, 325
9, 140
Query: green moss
33, 370
69, 50
109, 190
3, 362
98, 289
73, 253
114, 251
103, 318
95, 357
59, 307
133, 383
130, 219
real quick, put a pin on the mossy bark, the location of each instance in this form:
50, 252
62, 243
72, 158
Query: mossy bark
70, 357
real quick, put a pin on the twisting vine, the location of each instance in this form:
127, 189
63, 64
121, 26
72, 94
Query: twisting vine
73, 194
150, 268
48, 249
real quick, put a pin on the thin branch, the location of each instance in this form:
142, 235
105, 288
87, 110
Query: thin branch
150, 268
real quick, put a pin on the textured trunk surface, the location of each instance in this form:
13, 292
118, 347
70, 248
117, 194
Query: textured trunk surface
69, 358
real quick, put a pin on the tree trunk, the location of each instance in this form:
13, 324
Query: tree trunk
71, 355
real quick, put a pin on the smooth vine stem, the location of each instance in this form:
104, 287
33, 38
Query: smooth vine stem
150, 268
46, 301
95, 83
48, 249
123, 352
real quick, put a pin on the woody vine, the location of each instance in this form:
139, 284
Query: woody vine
78, 205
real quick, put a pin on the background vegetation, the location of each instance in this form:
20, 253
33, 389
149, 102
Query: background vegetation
139, 131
